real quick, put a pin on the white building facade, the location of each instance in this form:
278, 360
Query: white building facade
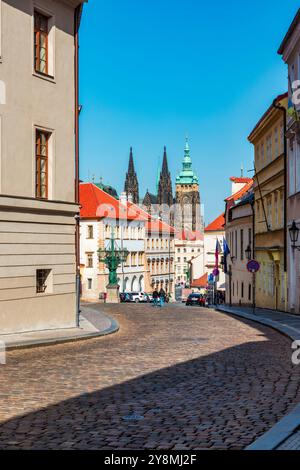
160, 251
96, 231
188, 246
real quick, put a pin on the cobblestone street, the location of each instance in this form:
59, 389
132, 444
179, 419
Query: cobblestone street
198, 379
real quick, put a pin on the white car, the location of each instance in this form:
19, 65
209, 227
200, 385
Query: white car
139, 297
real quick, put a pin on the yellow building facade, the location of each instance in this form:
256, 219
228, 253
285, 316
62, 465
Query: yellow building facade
269, 191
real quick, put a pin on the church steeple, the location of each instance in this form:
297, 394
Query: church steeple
188, 216
131, 186
165, 193
187, 175
165, 169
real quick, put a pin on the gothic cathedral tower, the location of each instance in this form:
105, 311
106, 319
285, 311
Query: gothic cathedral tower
165, 193
188, 212
131, 183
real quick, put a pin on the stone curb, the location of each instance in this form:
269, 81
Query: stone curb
279, 433
282, 430
113, 328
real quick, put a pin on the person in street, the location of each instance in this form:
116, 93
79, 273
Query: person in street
162, 296
155, 296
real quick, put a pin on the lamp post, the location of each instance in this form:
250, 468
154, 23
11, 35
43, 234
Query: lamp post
294, 235
248, 252
112, 256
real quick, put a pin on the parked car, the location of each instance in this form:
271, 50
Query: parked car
139, 297
196, 299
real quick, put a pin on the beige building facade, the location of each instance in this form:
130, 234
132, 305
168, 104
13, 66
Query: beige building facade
290, 52
38, 170
160, 251
240, 282
269, 190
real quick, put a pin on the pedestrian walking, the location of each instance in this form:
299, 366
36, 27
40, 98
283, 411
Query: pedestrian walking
162, 297
155, 296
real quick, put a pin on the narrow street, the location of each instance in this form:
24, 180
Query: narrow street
194, 378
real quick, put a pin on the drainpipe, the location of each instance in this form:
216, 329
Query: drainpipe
77, 18
281, 108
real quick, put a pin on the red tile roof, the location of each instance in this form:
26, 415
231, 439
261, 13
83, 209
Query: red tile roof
240, 179
201, 282
236, 196
217, 225
96, 204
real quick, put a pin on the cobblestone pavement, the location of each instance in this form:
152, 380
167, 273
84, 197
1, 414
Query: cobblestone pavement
198, 379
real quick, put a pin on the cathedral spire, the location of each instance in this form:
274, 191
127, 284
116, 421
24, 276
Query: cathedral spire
131, 186
165, 169
131, 164
165, 193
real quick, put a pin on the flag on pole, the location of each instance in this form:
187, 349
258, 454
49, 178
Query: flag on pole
226, 252
217, 252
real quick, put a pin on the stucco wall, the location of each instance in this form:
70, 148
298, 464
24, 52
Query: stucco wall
36, 234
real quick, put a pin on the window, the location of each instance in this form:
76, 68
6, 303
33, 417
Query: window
41, 157
42, 276
257, 156
276, 142
89, 260
242, 244
242, 289
90, 231
262, 152
90, 283
297, 165
276, 210
282, 137
178, 260
236, 244
250, 237
40, 43
292, 180
249, 292
269, 148
269, 212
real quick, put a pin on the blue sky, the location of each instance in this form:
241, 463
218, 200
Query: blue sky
152, 72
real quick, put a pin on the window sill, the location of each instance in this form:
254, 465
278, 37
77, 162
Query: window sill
48, 78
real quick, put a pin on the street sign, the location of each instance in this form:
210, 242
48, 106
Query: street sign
253, 266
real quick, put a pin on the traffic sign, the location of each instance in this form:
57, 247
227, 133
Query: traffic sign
253, 266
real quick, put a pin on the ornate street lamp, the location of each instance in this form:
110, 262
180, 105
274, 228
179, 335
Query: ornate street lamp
248, 252
294, 235
112, 256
